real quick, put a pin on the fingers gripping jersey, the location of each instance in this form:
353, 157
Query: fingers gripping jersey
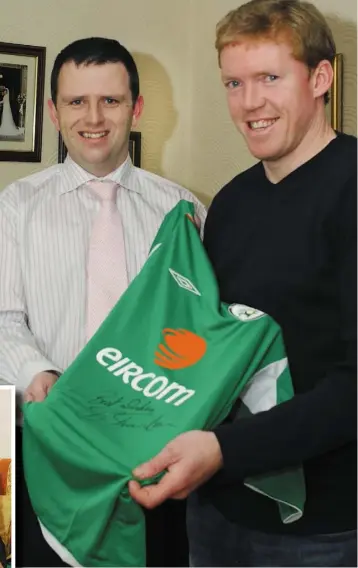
169, 358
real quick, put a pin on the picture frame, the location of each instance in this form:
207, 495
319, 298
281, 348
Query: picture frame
336, 94
135, 148
22, 82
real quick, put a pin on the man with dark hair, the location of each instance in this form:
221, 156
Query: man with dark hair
53, 224
282, 238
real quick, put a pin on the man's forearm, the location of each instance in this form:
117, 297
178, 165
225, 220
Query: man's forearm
20, 357
304, 427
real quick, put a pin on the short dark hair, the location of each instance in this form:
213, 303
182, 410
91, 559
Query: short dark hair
96, 51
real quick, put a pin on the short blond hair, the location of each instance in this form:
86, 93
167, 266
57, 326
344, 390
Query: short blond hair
297, 23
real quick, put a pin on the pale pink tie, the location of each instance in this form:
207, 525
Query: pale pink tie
107, 271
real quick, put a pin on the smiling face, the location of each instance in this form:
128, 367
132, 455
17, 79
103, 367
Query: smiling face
273, 99
94, 113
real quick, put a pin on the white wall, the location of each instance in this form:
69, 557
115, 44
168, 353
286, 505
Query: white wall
5, 422
187, 133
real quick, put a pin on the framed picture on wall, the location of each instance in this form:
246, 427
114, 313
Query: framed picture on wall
336, 94
135, 148
22, 78
7, 471
135, 151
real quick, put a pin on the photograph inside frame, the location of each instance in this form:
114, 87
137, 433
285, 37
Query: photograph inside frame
13, 86
7, 410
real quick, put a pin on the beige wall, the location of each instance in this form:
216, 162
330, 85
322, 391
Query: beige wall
5, 422
187, 133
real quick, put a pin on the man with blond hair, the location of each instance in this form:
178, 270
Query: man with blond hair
282, 238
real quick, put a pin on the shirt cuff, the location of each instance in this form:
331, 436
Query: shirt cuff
32, 368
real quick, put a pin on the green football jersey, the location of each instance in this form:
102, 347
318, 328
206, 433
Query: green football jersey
169, 358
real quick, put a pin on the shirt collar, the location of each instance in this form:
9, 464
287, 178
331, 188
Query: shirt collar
75, 176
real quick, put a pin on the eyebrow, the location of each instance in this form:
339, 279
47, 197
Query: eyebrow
256, 74
229, 77
69, 98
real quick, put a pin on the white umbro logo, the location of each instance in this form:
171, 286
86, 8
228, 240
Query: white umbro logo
184, 282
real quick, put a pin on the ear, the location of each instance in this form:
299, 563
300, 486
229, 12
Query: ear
137, 111
53, 114
322, 78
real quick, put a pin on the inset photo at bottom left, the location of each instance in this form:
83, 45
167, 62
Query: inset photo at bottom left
7, 464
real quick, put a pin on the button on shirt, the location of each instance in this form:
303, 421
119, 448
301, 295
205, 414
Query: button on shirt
45, 227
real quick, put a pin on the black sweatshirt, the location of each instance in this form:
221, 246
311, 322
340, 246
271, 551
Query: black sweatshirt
289, 249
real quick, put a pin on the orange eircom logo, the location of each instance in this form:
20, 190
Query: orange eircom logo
182, 349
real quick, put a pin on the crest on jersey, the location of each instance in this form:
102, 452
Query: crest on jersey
245, 313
